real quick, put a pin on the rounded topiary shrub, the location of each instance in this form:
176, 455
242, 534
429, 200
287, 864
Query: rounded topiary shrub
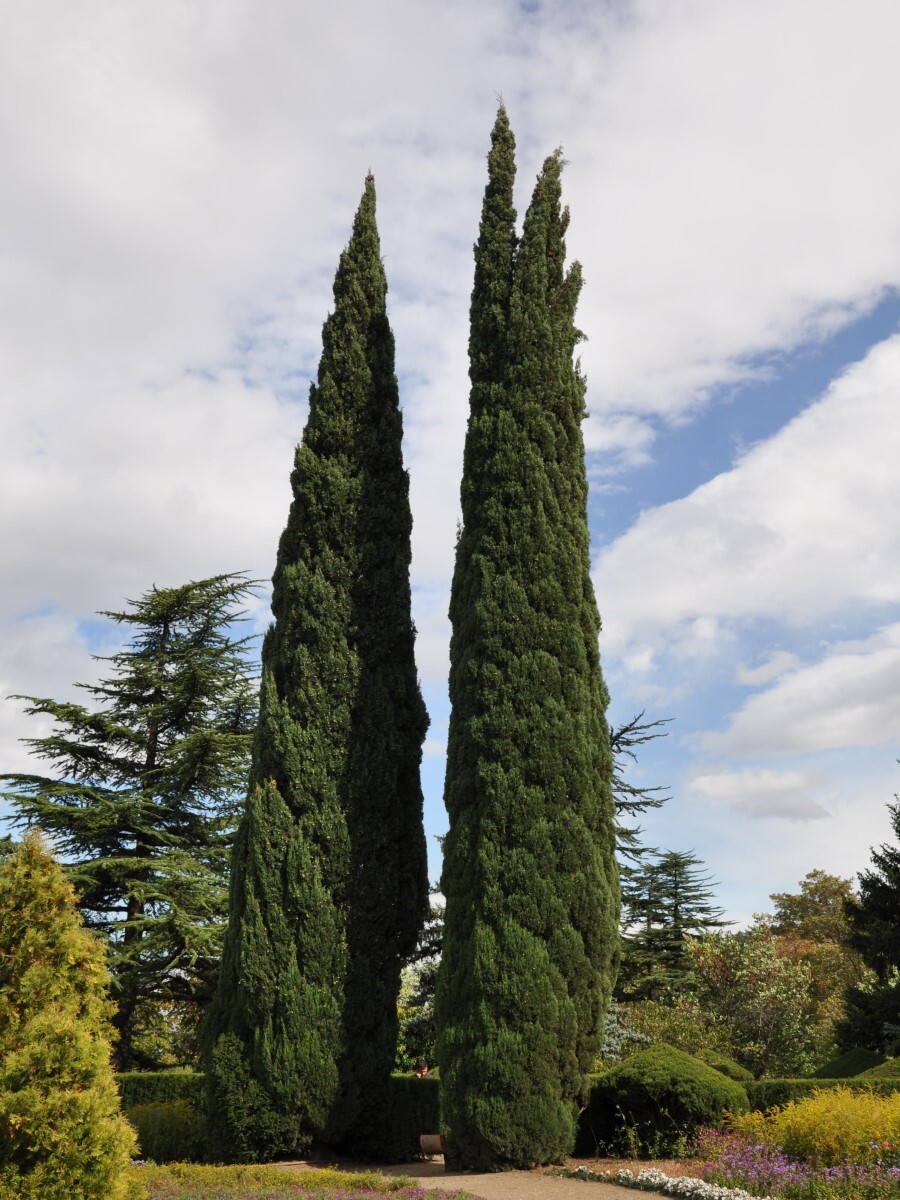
849, 1063
890, 1069
652, 1103
724, 1064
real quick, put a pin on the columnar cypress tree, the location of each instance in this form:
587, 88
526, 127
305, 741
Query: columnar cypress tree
531, 939
329, 885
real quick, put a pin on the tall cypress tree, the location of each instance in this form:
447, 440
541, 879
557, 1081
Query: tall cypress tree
531, 938
329, 885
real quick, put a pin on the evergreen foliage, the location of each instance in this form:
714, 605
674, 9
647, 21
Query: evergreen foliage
145, 797
875, 918
654, 1101
531, 938
851, 1062
665, 901
61, 1131
329, 887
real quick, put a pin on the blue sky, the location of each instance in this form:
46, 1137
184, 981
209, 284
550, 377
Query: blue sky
178, 183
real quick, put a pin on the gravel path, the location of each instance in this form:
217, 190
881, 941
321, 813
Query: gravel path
497, 1185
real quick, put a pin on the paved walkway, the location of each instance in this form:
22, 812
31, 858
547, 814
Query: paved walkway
497, 1185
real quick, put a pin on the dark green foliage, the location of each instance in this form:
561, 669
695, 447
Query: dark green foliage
770, 1093
721, 1062
630, 799
329, 887
61, 1131
413, 1107
653, 1101
851, 1062
173, 1131
161, 1087
531, 938
875, 918
144, 803
665, 901
872, 1016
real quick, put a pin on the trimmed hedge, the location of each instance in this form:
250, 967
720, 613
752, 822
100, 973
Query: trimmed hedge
414, 1109
885, 1070
770, 1093
851, 1062
167, 1109
651, 1102
161, 1087
721, 1062
172, 1131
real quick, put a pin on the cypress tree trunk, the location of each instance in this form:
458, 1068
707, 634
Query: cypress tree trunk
531, 938
329, 885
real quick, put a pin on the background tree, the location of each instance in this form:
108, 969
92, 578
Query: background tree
760, 998
665, 901
531, 933
61, 1129
873, 1007
811, 926
144, 801
329, 887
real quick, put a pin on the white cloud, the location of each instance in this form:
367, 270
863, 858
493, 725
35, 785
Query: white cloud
851, 698
776, 664
795, 531
785, 795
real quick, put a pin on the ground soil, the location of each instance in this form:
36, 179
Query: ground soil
539, 1184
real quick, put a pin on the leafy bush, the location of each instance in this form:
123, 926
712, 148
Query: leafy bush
851, 1062
727, 1066
653, 1102
169, 1132
832, 1126
160, 1087
768, 1093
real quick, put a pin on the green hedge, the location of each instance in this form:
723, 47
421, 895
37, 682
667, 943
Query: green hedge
415, 1108
768, 1093
886, 1070
172, 1131
167, 1107
161, 1087
851, 1062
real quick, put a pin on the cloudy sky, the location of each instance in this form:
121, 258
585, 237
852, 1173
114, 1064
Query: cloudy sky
177, 182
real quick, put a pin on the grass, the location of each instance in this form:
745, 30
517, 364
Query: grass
186, 1181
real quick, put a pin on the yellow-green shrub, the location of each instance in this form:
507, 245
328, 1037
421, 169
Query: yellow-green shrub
830, 1126
61, 1131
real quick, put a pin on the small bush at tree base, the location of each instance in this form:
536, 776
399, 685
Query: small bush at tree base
653, 1102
